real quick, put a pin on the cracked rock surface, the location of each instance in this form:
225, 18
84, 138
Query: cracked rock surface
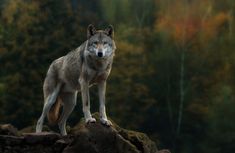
83, 138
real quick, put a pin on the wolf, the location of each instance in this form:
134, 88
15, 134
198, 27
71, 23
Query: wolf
75, 72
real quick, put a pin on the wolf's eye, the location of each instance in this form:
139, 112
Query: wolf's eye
105, 43
95, 42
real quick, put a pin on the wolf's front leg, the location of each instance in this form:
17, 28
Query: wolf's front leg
86, 101
103, 116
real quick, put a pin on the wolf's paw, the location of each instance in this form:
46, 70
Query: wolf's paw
106, 122
90, 120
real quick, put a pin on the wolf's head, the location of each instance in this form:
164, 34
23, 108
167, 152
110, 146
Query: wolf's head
100, 42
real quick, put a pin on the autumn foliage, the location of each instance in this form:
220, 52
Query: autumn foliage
172, 76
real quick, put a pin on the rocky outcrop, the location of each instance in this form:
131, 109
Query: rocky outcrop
83, 138
8, 129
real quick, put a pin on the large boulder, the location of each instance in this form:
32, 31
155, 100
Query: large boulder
99, 138
83, 138
8, 129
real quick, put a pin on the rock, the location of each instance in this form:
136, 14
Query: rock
31, 129
8, 129
100, 138
42, 138
96, 138
164, 151
10, 140
83, 138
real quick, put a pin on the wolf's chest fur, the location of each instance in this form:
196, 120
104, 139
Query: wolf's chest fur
76, 65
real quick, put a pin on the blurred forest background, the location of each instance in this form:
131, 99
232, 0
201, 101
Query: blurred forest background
173, 73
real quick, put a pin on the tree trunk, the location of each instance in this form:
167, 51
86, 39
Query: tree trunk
231, 24
182, 92
168, 100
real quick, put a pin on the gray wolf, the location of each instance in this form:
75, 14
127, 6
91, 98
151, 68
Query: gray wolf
88, 64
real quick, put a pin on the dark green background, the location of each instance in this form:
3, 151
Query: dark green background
173, 73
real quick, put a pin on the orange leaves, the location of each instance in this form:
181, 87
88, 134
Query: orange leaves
185, 22
180, 30
20, 13
184, 30
10, 11
179, 22
211, 26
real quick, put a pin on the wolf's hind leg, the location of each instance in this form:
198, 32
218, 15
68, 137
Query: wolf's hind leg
50, 100
69, 102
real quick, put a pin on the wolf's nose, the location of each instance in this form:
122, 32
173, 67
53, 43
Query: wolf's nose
100, 54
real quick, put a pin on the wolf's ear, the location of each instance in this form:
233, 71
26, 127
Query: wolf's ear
90, 30
110, 31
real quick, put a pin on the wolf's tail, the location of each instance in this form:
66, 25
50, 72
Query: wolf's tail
53, 114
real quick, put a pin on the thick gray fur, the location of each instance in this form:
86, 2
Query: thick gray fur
77, 71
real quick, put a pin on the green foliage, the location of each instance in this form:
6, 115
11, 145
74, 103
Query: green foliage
145, 88
220, 131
